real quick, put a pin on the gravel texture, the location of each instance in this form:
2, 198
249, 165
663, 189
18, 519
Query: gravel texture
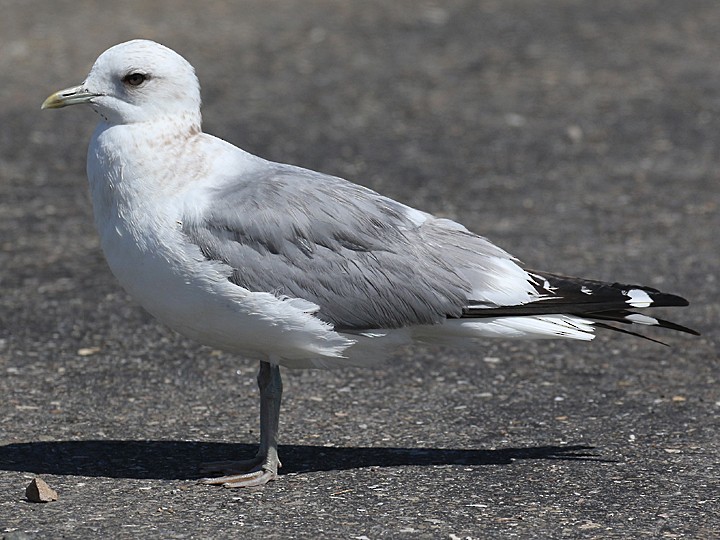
582, 136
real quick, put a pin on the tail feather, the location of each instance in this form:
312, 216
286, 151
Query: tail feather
594, 300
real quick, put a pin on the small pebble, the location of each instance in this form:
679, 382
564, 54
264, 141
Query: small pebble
39, 491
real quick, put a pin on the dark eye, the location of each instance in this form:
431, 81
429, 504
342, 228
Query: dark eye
134, 79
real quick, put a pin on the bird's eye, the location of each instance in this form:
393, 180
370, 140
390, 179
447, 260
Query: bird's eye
134, 79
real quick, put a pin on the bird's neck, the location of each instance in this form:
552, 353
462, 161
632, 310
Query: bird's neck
148, 152
138, 165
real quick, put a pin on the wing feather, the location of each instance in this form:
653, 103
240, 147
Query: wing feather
367, 261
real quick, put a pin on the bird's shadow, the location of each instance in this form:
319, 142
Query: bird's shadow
173, 460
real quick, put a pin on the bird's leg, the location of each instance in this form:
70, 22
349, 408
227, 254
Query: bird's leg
263, 467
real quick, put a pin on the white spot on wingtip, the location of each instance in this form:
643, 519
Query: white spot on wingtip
585, 290
638, 298
642, 319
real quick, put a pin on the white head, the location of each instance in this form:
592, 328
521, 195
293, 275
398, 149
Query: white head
137, 81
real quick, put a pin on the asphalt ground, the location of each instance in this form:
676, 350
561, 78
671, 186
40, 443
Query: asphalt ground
582, 136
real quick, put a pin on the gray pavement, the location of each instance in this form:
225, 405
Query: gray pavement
582, 136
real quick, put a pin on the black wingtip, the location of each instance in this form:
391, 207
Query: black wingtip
659, 298
601, 302
626, 317
674, 326
628, 332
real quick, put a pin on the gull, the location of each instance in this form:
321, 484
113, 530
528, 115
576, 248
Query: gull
293, 267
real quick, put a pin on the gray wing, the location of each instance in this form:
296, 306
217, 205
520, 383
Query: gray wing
359, 256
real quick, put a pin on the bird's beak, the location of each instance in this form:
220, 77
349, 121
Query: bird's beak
69, 96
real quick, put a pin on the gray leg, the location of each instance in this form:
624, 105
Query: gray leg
263, 467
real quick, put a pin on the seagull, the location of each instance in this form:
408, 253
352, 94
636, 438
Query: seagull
293, 267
